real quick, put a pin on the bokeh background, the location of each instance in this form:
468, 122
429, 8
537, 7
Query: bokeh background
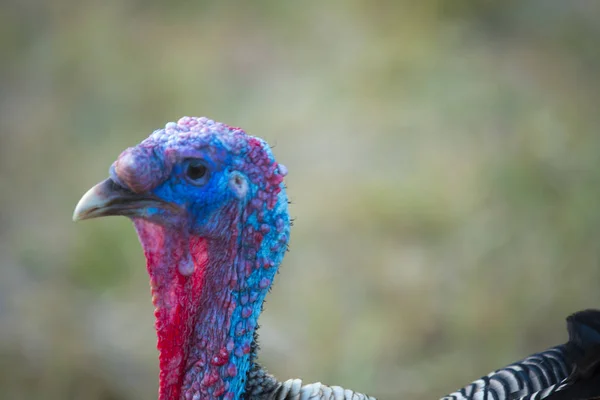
444, 162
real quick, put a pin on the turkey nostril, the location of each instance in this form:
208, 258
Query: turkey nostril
117, 187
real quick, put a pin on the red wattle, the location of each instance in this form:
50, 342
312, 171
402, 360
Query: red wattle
176, 297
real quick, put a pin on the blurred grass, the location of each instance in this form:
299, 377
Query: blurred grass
444, 174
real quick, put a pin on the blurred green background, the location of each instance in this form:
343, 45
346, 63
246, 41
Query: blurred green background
444, 163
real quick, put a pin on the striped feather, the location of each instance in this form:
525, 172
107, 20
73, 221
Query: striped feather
567, 371
530, 375
263, 386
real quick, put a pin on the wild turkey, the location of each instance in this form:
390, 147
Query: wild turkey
210, 208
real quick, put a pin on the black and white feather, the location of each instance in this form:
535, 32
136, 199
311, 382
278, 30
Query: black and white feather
568, 371
263, 386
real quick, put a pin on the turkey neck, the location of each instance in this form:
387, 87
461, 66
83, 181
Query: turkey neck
205, 321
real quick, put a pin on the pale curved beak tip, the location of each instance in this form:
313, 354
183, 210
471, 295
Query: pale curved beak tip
90, 201
108, 198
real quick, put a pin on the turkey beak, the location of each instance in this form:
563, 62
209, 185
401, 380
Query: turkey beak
108, 198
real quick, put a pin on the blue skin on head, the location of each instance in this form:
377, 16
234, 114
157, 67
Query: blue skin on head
229, 194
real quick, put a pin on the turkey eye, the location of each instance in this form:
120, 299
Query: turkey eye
196, 172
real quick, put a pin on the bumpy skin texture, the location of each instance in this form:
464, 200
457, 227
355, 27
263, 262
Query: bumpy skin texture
213, 240
213, 246
210, 208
